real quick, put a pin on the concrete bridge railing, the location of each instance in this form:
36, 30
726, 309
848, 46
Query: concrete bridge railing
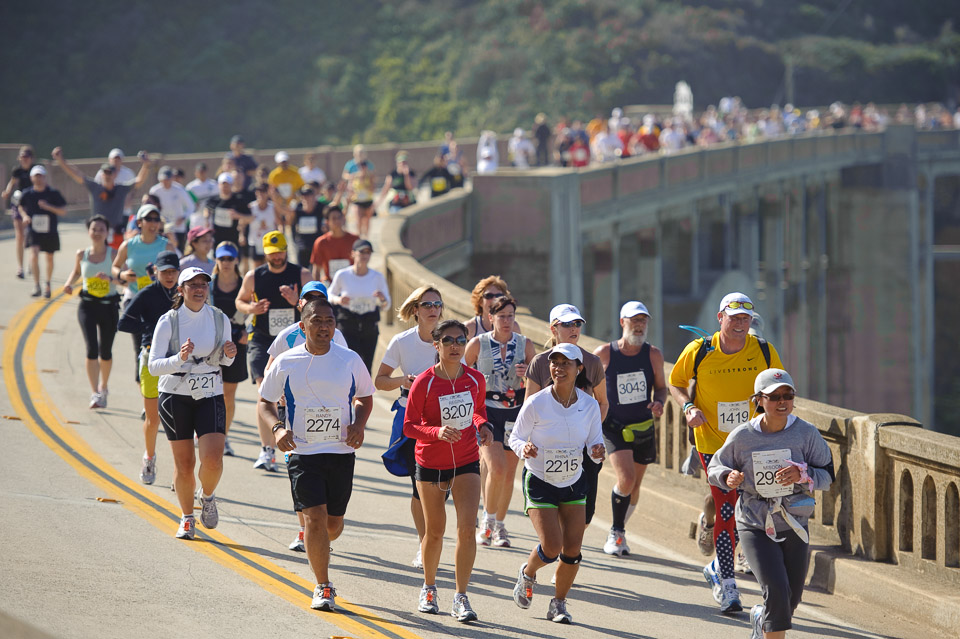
897, 494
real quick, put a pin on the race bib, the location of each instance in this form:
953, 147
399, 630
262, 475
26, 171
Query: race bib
221, 217
307, 225
456, 410
322, 424
732, 414
438, 184
286, 190
766, 463
507, 429
335, 265
202, 385
278, 319
143, 282
40, 223
560, 465
360, 305
632, 387
97, 287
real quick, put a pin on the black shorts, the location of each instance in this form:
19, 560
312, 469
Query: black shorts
251, 251
435, 476
540, 494
257, 356
324, 479
363, 205
182, 416
46, 242
498, 418
236, 372
644, 444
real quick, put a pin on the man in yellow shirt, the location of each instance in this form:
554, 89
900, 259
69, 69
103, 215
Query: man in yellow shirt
724, 372
285, 178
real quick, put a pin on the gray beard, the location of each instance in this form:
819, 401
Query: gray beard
635, 340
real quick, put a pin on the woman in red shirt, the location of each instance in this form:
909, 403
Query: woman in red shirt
447, 416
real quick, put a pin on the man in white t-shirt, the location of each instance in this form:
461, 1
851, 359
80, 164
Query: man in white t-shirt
310, 172
201, 188
176, 205
329, 397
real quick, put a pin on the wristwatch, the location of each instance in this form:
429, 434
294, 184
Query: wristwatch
278, 426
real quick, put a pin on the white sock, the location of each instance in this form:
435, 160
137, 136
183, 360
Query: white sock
190, 516
148, 458
499, 523
205, 496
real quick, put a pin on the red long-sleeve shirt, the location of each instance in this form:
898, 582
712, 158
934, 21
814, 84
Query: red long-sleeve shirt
422, 421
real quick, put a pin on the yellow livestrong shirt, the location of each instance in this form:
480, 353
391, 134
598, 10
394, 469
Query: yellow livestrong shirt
724, 387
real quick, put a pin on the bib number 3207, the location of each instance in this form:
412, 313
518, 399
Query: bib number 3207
456, 410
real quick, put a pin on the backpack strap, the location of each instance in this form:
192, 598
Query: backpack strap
702, 351
765, 349
174, 315
213, 359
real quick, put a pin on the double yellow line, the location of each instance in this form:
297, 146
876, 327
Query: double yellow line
40, 415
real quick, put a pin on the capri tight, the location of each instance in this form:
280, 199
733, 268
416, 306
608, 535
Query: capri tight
99, 324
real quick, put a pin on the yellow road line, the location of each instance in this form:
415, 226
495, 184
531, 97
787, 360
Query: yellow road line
36, 409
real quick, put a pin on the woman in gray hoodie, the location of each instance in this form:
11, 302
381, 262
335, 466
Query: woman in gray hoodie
777, 460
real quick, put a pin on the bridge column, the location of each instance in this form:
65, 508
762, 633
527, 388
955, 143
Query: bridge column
566, 264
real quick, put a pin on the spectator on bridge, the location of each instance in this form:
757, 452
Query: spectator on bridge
285, 178
606, 146
488, 157
648, 135
672, 137
438, 178
455, 165
245, 163
541, 132
520, 150
310, 172
561, 147
19, 182
625, 134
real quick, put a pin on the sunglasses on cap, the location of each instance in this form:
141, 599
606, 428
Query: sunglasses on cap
492, 296
782, 397
745, 305
573, 324
448, 340
430, 304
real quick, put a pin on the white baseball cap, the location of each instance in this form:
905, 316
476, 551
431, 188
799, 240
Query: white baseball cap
565, 313
224, 178
115, 153
281, 156
772, 379
743, 305
570, 351
188, 274
38, 170
632, 309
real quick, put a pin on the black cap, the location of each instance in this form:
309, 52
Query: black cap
166, 260
237, 139
359, 245
106, 167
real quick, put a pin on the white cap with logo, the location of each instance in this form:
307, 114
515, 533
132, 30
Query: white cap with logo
632, 309
736, 304
188, 274
570, 351
565, 313
281, 156
772, 379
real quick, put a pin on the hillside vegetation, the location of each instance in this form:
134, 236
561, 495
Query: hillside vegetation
183, 77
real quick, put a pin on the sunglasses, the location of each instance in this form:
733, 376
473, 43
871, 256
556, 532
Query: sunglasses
782, 397
227, 259
573, 324
430, 304
448, 340
492, 296
735, 305
151, 219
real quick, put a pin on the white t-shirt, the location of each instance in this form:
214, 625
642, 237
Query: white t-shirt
319, 390
410, 354
264, 221
176, 205
199, 328
201, 191
360, 289
292, 336
315, 174
550, 426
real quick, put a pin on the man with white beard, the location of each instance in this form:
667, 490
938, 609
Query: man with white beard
636, 390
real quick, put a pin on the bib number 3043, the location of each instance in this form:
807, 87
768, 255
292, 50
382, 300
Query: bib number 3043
561, 464
766, 463
456, 410
632, 387
322, 424
732, 414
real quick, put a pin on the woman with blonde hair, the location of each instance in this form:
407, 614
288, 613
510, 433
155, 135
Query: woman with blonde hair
484, 294
413, 352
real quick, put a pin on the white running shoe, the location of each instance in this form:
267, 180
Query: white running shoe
227, 448
95, 400
704, 536
148, 470
616, 543
500, 537
417, 561
741, 564
324, 597
523, 590
297, 544
710, 574
102, 399
756, 621
485, 535
209, 516
187, 528
462, 611
428, 600
730, 600
266, 460
557, 611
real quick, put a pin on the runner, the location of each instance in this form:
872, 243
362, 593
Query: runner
636, 390
310, 172
264, 219
140, 317
308, 224
775, 461
270, 293
108, 195
19, 182
333, 250
502, 356
553, 428
225, 287
289, 338
201, 189
447, 416
359, 173
412, 352
99, 308
199, 246
226, 210
482, 297
401, 181
40, 208
565, 325
176, 205
285, 178
360, 293
725, 370
329, 397
191, 343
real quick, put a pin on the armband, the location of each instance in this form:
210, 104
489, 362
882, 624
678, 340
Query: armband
687, 407
804, 477
278, 426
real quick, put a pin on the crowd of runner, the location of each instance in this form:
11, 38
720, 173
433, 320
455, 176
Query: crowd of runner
201, 276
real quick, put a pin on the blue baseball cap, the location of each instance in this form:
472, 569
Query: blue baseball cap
310, 287
226, 251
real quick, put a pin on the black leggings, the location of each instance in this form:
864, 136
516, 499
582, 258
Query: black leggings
97, 317
363, 342
781, 569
